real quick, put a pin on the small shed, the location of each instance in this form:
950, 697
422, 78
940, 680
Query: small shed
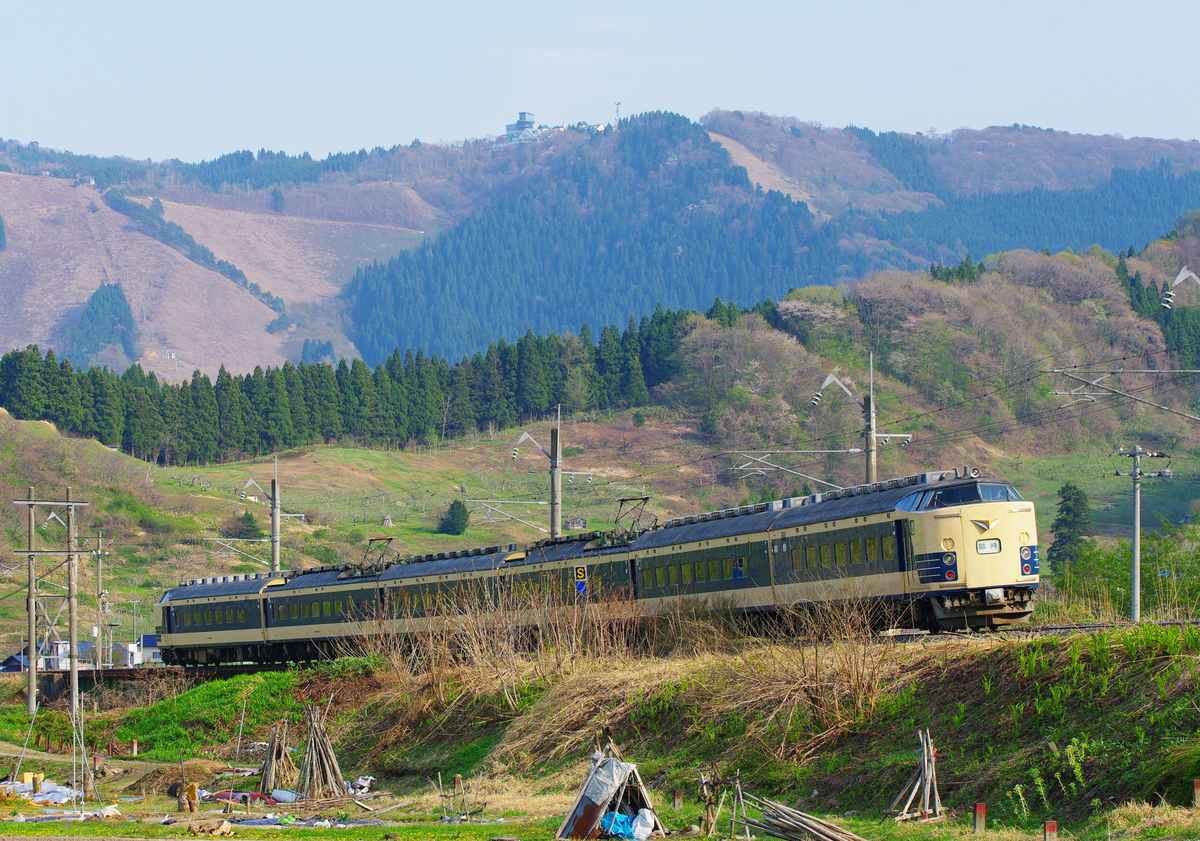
612, 785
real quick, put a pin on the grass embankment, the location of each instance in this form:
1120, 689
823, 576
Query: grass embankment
1097, 731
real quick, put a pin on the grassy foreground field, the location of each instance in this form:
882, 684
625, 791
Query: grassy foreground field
1096, 731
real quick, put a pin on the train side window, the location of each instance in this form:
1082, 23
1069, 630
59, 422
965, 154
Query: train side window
293, 610
727, 569
187, 619
219, 619
889, 548
740, 568
660, 576
810, 557
349, 604
856, 552
872, 550
327, 608
229, 616
208, 617
685, 573
646, 585
714, 570
841, 554
303, 610
797, 559
241, 614
673, 575
700, 566
337, 608
826, 555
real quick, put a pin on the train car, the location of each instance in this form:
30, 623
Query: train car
943, 550
946, 550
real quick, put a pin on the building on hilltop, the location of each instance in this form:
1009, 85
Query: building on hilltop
524, 130
524, 121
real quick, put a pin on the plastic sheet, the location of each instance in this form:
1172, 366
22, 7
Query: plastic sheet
615, 823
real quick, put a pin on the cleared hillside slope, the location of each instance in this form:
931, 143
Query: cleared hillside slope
63, 242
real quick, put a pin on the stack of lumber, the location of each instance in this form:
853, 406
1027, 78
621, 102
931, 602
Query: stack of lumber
320, 775
924, 782
794, 825
278, 770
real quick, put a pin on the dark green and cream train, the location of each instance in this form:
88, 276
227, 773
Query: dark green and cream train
941, 550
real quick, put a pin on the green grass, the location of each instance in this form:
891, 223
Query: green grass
192, 722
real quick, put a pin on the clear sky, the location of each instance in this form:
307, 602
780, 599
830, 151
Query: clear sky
195, 80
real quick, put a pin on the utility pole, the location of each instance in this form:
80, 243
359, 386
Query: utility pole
556, 478
871, 435
869, 422
1137, 454
73, 610
555, 456
275, 520
72, 585
31, 690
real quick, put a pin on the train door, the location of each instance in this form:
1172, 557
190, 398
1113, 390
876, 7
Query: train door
910, 546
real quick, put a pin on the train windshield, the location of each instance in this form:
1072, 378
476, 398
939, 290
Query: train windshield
968, 494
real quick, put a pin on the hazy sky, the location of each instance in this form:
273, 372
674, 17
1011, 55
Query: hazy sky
195, 80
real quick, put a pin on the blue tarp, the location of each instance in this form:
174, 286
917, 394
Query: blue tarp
614, 823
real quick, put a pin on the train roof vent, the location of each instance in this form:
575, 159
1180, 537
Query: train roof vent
512, 547
743, 509
793, 502
758, 508
775, 505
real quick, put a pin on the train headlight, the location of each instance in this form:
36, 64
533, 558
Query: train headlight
948, 559
1026, 553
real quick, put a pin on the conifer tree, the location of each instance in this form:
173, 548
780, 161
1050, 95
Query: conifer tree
1071, 527
462, 418
21, 383
533, 396
205, 419
298, 405
633, 383
279, 432
231, 425
610, 362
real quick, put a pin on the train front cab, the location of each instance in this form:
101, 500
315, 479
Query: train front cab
972, 555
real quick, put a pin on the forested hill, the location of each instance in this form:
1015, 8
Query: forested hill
451, 247
614, 223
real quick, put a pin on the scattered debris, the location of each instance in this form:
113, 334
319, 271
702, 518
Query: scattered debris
105, 812
794, 825
613, 793
214, 828
923, 780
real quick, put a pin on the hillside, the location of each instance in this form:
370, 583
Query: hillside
958, 365
585, 223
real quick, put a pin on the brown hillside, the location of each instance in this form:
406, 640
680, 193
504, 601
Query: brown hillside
832, 166
1004, 158
761, 172
298, 259
60, 251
